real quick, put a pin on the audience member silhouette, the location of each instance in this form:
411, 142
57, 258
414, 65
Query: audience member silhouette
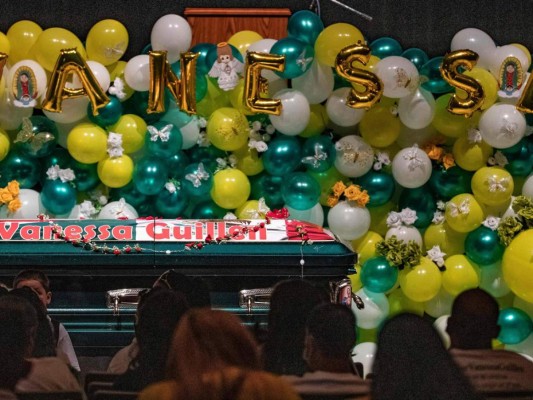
290, 305
411, 363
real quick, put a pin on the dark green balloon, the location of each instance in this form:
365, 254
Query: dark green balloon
176, 164
515, 325
86, 176
300, 191
58, 197
377, 275
163, 148
132, 196
417, 56
298, 56
483, 246
318, 153
171, 205
208, 210
386, 47
520, 157
108, 114
206, 155
379, 185
37, 136
202, 68
150, 175
447, 183
269, 188
422, 201
431, 77
283, 155
305, 25
20, 167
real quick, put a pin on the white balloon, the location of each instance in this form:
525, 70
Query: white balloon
364, 353
118, 209
72, 111
399, 76
411, 167
527, 189
499, 55
316, 83
502, 125
314, 215
375, 311
348, 222
30, 208
137, 73
11, 116
101, 74
190, 134
354, 156
492, 280
409, 137
440, 326
262, 46
417, 110
475, 40
275, 83
37, 85
405, 233
295, 112
172, 33
439, 305
340, 113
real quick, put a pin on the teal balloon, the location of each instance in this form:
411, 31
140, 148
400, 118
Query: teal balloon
212, 55
386, 47
58, 197
198, 180
379, 185
208, 210
201, 81
131, 194
177, 117
163, 147
176, 164
171, 205
147, 49
268, 187
483, 246
520, 157
417, 56
202, 49
339, 81
377, 275
60, 156
108, 114
300, 191
447, 183
305, 25
420, 200
515, 325
318, 153
138, 104
37, 136
298, 56
150, 175
431, 78
283, 155
206, 155
86, 176
20, 167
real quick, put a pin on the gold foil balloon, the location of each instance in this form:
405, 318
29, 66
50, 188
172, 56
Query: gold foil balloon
474, 91
525, 103
3, 61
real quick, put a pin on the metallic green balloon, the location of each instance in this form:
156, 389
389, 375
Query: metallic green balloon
515, 325
379, 185
86, 176
447, 183
150, 175
283, 155
107, 115
431, 78
417, 56
305, 25
20, 167
58, 197
377, 275
37, 136
171, 205
298, 56
386, 47
483, 246
202, 67
208, 210
300, 191
422, 201
268, 187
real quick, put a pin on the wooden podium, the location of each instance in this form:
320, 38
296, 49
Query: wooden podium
214, 25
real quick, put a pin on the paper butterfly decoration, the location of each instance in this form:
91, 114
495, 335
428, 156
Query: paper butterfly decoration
200, 175
315, 159
163, 134
463, 208
36, 140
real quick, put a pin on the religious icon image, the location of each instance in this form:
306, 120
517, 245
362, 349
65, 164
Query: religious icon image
226, 68
24, 87
511, 77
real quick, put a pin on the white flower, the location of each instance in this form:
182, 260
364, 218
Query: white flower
254, 135
171, 187
232, 159
438, 217
87, 210
382, 158
394, 109
203, 140
436, 255
258, 145
66, 175
114, 145
270, 129
229, 216
441, 205
408, 216
394, 219
118, 89
474, 136
256, 126
498, 159
102, 200
413, 158
53, 172
202, 122
491, 222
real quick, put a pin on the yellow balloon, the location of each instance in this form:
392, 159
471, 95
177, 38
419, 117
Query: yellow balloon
116, 172
249, 210
318, 121
442, 235
422, 282
87, 143
525, 50
5, 46
50, 43
355, 279
23, 35
378, 217
333, 39
133, 131
487, 81
4, 144
470, 156
213, 100
248, 161
107, 41
449, 124
326, 180
116, 70
2, 86
399, 303
463, 213
227, 129
461, 274
379, 127
365, 246
236, 97
492, 185
231, 188
367, 335
243, 39
517, 265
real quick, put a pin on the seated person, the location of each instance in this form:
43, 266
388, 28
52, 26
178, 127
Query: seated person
329, 340
471, 327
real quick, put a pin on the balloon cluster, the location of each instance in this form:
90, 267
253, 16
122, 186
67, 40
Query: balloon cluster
441, 212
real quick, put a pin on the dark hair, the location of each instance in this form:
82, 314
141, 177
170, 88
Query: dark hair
333, 328
412, 363
44, 342
17, 322
32, 274
194, 289
290, 305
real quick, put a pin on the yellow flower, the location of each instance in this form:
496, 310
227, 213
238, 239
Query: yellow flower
14, 188
352, 192
448, 161
338, 189
5, 196
363, 198
434, 152
332, 201
14, 205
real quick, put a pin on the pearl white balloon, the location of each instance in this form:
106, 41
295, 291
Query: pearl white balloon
527, 189
499, 55
116, 210
275, 83
11, 116
30, 208
295, 112
492, 280
365, 353
417, 110
348, 222
316, 83
399, 76
502, 125
339, 112
375, 311
440, 326
262, 46
439, 305
101, 74
354, 156
172, 33
190, 134
405, 233
137, 73
475, 40
72, 111
38, 72
314, 215
411, 167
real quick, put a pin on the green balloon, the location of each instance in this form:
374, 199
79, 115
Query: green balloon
483, 246
20, 167
515, 325
377, 275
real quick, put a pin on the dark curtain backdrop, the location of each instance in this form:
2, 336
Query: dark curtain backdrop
428, 24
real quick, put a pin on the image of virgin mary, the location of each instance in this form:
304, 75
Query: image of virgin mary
24, 87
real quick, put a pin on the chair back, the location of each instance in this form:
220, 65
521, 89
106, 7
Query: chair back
98, 376
50, 396
114, 395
